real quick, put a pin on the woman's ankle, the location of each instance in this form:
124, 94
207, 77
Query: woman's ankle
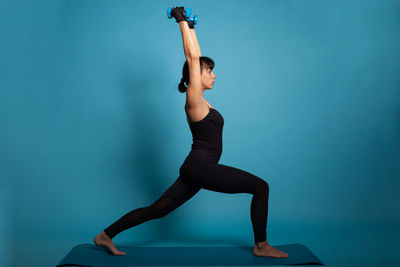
105, 235
261, 244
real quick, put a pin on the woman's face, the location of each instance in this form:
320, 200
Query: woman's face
207, 78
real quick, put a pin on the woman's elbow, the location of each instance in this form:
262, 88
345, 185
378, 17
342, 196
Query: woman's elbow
193, 58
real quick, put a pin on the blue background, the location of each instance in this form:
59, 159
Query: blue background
93, 125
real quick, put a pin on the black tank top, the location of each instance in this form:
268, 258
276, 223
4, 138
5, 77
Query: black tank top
207, 133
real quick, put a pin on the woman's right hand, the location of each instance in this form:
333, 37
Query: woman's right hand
178, 13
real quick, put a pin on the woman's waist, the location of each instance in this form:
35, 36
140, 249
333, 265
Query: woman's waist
213, 154
212, 147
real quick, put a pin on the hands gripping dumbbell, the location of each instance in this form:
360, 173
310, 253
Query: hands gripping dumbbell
182, 14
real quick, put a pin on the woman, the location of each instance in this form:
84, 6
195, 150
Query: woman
201, 168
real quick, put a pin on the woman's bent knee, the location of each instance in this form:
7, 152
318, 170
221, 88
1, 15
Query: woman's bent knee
262, 187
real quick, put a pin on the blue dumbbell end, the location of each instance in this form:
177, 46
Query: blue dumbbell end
188, 12
194, 19
169, 13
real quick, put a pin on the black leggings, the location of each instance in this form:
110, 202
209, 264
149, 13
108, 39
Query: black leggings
201, 170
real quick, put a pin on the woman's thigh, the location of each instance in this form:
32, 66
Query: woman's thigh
227, 179
175, 195
181, 190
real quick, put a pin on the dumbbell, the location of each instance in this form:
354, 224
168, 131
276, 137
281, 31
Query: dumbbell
188, 14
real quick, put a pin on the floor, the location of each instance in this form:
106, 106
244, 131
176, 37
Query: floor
335, 245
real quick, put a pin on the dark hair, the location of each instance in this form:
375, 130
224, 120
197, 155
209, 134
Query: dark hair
205, 62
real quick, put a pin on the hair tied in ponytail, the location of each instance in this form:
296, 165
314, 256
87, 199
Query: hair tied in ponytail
183, 81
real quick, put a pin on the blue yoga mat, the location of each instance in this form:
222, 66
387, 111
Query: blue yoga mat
92, 255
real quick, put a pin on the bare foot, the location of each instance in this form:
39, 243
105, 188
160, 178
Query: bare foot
266, 250
104, 241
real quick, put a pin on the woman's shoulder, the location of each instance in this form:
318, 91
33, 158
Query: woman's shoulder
189, 114
208, 104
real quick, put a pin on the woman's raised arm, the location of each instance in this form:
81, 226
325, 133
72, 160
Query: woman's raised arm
192, 53
190, 45
195, 41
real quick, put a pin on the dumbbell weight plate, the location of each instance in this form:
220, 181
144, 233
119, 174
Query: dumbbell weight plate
188, 12
169, 12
